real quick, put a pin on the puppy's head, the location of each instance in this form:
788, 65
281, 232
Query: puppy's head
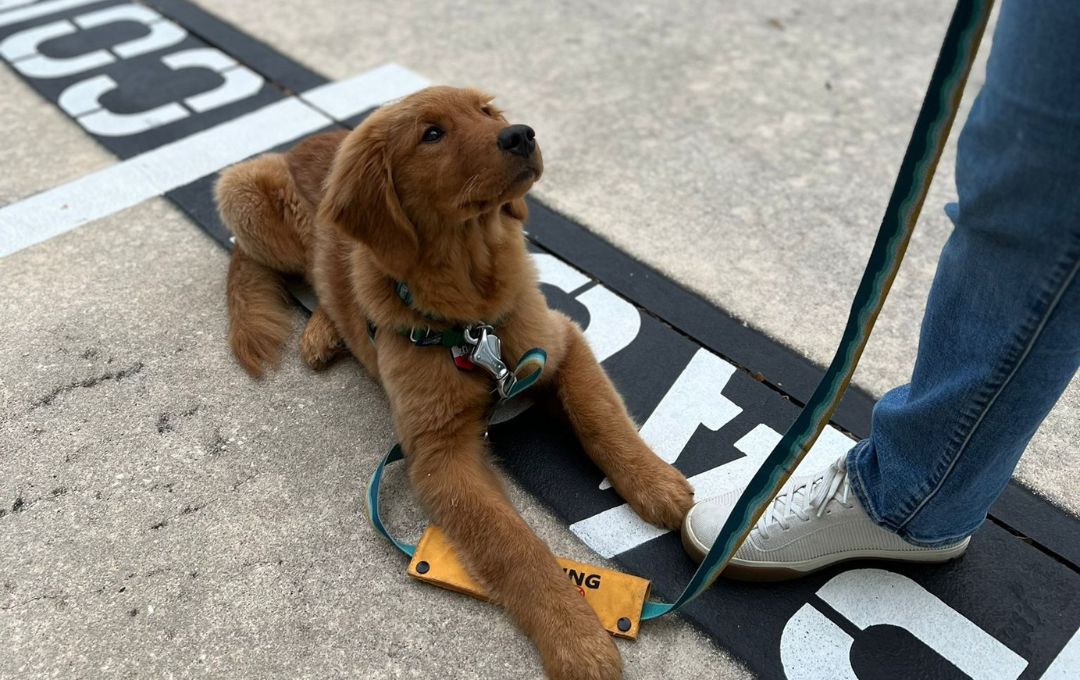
416, 169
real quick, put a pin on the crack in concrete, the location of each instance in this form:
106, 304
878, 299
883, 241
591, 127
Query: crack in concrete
36, 598
239, 483
263, 563
116, 376
19, 505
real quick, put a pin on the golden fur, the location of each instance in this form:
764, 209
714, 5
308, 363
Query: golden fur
352, 213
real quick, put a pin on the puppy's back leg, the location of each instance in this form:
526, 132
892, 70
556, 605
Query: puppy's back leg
258, 202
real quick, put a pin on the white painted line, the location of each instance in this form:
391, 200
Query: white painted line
155, 172
346, 98
8, 4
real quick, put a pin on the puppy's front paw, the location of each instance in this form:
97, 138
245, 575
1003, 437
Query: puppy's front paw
660, 494
583, 652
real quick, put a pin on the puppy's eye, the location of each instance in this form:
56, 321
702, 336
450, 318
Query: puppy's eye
432, 134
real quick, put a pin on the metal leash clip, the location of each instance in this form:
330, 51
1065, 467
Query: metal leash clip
487, 354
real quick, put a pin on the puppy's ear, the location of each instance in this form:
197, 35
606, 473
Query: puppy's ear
360, 199
517, 209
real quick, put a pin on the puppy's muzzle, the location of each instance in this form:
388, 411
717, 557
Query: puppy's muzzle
519, 140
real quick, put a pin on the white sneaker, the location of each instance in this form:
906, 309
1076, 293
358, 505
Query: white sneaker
814, 522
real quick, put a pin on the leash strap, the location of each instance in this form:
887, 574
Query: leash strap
912, 183
528, 370
374, 511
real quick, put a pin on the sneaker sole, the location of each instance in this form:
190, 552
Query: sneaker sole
737, 570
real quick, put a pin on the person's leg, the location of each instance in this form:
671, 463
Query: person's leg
1000, 338
1001, 335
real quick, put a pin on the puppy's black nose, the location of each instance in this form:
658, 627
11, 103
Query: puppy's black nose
518, 139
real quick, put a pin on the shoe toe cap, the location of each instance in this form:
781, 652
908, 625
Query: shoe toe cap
707, 518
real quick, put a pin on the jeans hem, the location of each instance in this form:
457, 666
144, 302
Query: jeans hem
858, 487
936, 543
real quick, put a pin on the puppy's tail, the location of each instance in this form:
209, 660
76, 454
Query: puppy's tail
259, 320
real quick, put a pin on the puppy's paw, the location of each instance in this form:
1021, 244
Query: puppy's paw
318, 355
320, 343
660, 495
583, 652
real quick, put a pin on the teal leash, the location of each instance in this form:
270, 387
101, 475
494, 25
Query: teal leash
909, 192
374, 510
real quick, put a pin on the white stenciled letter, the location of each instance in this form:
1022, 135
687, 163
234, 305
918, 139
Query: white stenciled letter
693, 400
813, 647
1067, 663
21, 49
613, 322
83, 99
875, 597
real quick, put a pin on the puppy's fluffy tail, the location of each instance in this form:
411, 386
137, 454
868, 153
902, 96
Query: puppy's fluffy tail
259, 319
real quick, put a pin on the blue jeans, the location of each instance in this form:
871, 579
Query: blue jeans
1000, 339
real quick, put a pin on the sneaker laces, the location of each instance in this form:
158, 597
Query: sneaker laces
809, 494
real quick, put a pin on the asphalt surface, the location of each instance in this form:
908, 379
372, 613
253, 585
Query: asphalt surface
167, 516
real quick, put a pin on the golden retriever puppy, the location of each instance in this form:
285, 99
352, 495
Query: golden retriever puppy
428, 192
